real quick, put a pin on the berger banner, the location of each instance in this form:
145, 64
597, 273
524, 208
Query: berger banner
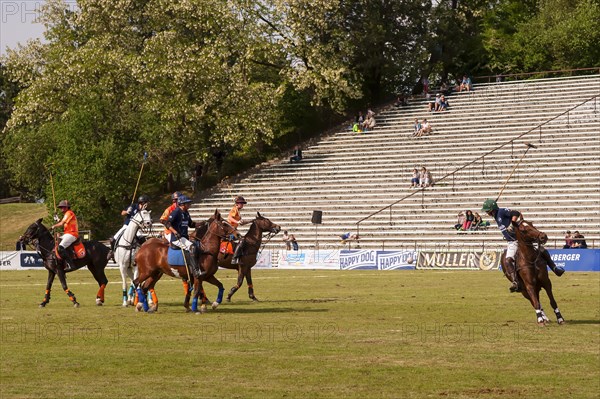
459, 260
577, 260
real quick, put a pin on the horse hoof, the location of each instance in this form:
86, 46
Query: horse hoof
561, 321
215, 305
202, 308
42, 305
76, 305
255, 299
99, 302
125, 304
228, 299
139, 307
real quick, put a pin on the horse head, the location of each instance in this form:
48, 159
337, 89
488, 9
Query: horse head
35, 231
528, 233
143, 219
217, 226
264, 224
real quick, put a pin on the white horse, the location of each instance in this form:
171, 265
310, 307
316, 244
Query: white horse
125, 251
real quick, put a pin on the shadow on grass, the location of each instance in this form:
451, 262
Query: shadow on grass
229, 309
582, 321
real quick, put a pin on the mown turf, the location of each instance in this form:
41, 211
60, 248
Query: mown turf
14, 220
315, 334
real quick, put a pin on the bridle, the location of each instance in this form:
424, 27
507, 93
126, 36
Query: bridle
35, 240
530, 243
141, 226
271, 233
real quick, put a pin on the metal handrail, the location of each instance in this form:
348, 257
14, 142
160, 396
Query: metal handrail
511, 142
489, 77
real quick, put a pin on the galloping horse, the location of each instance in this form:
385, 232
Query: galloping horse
95, 260
125, 249
253, 241
152, 263
532, 269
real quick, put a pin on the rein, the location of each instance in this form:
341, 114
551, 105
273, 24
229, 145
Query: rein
537, 249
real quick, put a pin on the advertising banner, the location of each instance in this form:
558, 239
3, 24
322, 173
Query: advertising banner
318, 259
392, 260
459, 260
358, 259
15, 260
577, 260
264, 260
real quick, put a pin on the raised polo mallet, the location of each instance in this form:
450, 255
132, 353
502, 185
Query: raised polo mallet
529, 146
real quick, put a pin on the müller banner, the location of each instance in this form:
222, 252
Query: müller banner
459, 260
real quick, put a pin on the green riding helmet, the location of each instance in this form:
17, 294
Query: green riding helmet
489, 205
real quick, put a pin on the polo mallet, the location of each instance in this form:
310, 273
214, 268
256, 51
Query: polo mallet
529, 146
52, 187
139, 177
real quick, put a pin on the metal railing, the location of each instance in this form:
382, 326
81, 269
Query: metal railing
502, 77
481, 158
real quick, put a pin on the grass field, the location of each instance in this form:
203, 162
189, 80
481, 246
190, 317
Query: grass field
14, 220
315, 334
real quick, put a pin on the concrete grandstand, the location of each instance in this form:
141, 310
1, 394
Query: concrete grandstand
349, 176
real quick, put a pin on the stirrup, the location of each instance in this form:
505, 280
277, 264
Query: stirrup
235, 261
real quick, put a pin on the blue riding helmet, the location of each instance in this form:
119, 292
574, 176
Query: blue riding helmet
183, 199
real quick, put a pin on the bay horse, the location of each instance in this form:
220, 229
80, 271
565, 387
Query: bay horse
152, 263
532, 269
95, 259
253, 242
125, 249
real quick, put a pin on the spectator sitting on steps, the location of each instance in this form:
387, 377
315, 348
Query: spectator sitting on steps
290, 241
568, 240
297, 155
578, 241
425, 129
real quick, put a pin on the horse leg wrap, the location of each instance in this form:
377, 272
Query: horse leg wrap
46, 297
101, 293
131, 290
71, 295
220, 295
186, 287
195, 304
154, 297
142, 299
124, 295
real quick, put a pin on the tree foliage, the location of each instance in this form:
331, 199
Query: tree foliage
198, 81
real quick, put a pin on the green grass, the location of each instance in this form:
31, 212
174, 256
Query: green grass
315, 334
14, 220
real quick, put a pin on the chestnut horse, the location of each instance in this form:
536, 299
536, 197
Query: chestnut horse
532, 269
152, 263
253, 242
95, 260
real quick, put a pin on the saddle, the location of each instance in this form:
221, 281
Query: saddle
76, 250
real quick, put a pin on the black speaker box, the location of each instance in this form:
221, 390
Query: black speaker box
317, 217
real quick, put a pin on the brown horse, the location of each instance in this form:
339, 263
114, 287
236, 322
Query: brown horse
152, 263
95, 259
253, 242
532, 269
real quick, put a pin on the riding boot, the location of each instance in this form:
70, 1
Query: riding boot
511, 271
67, 260
558, 270
111, 253
237, 254
190, 258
